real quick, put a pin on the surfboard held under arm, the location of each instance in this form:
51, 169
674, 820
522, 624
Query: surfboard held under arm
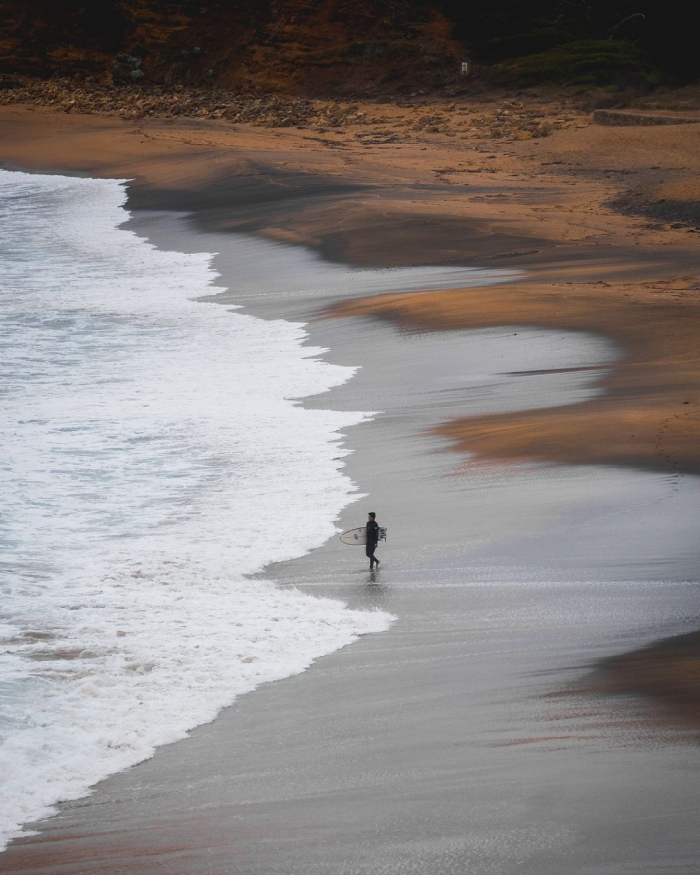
359, 536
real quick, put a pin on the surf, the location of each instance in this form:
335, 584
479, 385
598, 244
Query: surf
155, 455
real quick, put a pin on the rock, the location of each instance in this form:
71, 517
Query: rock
625, 118
8, 81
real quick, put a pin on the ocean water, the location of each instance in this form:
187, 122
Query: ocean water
154, 454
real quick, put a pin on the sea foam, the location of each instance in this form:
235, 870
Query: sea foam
154, 455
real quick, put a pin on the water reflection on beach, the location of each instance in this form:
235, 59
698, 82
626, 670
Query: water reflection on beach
460, 740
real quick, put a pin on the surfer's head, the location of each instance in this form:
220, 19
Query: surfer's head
372, 514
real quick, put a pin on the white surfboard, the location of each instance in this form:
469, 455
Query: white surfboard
355, 536
358, 537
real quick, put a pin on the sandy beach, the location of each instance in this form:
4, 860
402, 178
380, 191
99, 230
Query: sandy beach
540, 206
535, 457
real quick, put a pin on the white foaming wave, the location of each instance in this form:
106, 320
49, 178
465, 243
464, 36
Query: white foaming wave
153, 456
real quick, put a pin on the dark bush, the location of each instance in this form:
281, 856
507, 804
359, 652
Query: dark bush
585, 62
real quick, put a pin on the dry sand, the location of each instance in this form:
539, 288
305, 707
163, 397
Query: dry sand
649, 414
668, 671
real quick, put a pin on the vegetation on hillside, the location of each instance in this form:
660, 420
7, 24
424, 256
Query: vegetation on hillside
348, 46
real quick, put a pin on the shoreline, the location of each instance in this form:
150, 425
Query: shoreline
175, 373
398, 750
276, 224
588, 267
648, 416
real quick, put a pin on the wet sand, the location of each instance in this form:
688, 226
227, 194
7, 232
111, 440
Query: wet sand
445, 745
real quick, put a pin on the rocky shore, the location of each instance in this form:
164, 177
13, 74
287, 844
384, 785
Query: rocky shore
504, 118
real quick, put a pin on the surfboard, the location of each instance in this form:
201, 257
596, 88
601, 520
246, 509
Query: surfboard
354, 536
358, 537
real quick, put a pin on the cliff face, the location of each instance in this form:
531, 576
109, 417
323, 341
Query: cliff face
347, 47
317, 46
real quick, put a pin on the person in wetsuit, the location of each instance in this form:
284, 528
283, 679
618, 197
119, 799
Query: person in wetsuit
372, 539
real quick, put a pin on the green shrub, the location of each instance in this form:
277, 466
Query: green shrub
585, 62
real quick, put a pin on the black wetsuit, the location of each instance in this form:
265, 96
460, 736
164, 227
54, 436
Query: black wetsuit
372, 538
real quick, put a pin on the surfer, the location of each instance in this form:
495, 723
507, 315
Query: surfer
372, 538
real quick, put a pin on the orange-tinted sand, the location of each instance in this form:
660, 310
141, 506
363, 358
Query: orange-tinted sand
668, 671
541, 206
649, 414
